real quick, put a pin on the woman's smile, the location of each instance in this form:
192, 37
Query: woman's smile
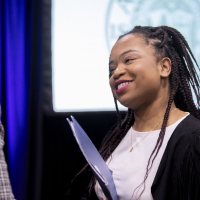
121, 86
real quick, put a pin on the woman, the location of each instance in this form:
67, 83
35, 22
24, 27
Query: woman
154, 152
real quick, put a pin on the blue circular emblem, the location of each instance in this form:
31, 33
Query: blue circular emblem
123, 15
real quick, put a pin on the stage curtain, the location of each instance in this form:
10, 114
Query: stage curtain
21, 93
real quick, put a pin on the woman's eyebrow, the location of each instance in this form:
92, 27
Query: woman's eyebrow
128, 51
125, 52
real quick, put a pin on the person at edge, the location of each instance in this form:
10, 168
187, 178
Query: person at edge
5, 186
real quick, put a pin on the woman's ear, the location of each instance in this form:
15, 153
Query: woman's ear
165, 67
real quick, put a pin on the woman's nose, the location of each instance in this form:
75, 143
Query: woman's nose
119, 71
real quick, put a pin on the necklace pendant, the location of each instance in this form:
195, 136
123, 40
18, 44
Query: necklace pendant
131, 149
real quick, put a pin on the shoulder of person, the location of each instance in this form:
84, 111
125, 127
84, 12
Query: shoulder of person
179, 169
185, 138
188, 128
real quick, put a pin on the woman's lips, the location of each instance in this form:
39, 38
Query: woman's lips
120, 87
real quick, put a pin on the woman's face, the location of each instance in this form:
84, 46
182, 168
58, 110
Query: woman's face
135, 78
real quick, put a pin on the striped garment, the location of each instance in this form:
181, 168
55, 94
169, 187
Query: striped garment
5, 186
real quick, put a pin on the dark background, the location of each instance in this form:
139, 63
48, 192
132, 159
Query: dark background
62, 157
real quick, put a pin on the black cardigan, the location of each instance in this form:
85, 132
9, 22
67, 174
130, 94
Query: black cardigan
178, 175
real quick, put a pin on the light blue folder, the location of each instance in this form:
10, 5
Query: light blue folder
101, 171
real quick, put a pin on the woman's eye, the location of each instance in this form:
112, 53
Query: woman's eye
129, 60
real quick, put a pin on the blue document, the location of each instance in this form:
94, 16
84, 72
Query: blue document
101, 171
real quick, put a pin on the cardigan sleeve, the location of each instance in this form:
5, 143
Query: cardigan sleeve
190, 173
178, 175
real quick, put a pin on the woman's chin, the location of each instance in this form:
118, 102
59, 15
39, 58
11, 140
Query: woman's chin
126, 103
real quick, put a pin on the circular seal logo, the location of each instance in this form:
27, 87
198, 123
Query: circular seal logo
123, 15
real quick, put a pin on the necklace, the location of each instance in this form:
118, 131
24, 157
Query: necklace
137, 141
143, 136
140, 139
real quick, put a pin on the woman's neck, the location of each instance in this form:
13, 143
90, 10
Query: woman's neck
150, 119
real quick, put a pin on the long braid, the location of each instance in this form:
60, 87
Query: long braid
126, 124
187, 56
155, 150
188, 75
113, 139
185, 92
119, 117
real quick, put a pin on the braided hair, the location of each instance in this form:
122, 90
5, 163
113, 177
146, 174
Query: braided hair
184, 86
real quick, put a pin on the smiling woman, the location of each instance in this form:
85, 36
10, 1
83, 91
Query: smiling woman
135, 68
154, 152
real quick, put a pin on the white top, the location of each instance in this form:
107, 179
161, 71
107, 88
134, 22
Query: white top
129, 160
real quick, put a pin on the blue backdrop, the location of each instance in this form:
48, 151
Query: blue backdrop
16, 24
